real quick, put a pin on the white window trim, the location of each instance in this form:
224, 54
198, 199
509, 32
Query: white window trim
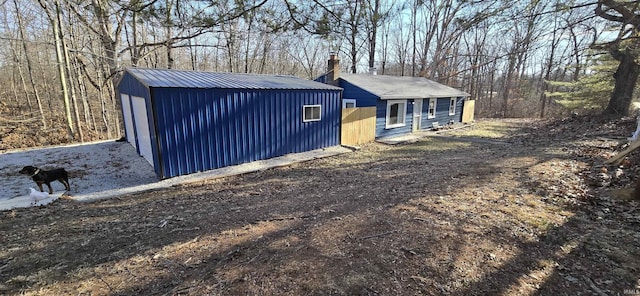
435, 105
452, 107
313, 119
347, 101
402, 111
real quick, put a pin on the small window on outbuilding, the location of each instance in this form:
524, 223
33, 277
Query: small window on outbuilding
311, 113
396, 111
432, 108
348, 103
452, 106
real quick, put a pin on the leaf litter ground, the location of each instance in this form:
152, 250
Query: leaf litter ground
512, 207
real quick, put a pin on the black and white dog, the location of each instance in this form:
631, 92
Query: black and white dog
46, 177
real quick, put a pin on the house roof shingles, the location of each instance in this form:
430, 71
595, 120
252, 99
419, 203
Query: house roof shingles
197, 79
402, 87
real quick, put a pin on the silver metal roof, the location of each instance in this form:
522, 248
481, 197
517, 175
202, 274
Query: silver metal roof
402, 87
196, 79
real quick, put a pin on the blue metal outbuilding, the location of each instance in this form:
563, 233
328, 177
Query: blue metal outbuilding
184, 122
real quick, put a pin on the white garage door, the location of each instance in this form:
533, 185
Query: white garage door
128, 119
142, 128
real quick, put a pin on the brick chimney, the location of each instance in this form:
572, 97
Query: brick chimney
333, 69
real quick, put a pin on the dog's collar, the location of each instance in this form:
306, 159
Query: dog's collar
37, 171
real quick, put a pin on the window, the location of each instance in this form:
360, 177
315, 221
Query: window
311, 113
452, 106
348, 103
432, 108
396, 111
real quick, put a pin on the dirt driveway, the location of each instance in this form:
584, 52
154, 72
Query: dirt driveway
439, 216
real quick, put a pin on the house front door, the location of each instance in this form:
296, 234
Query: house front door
417, 114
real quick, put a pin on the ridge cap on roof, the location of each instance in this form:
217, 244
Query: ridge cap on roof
157, 77
374, 84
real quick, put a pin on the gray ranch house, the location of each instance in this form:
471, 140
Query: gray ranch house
403, 104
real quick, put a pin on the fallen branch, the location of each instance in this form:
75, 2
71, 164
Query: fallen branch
634, 145
105, 282
284, 218
184, 229
2, 119
378, 235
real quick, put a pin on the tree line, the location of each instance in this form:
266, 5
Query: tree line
61, 59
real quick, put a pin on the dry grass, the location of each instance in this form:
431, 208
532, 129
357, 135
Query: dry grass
491, 128
439, 216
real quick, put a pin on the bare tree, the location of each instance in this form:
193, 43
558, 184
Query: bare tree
310, 54
376, 14
53, 12
440, 34
550, 64
523, 31
385, 48
30, 71
353, 28
414, 28
104, 21
475, 45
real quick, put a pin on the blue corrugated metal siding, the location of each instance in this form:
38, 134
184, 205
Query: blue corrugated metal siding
206, 129
442, 113
381, 121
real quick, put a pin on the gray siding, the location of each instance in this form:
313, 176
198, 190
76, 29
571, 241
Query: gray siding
442, 113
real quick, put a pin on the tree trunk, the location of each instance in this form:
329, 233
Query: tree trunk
491, 88
23, 82
56, 22
36, 93
74, 97
133, 48
506, 90
414, 28
86, 110
353, 55
169, 32
375, 18
50, 95
72, 92
626, 77
547, 71
14, 91
247, 48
